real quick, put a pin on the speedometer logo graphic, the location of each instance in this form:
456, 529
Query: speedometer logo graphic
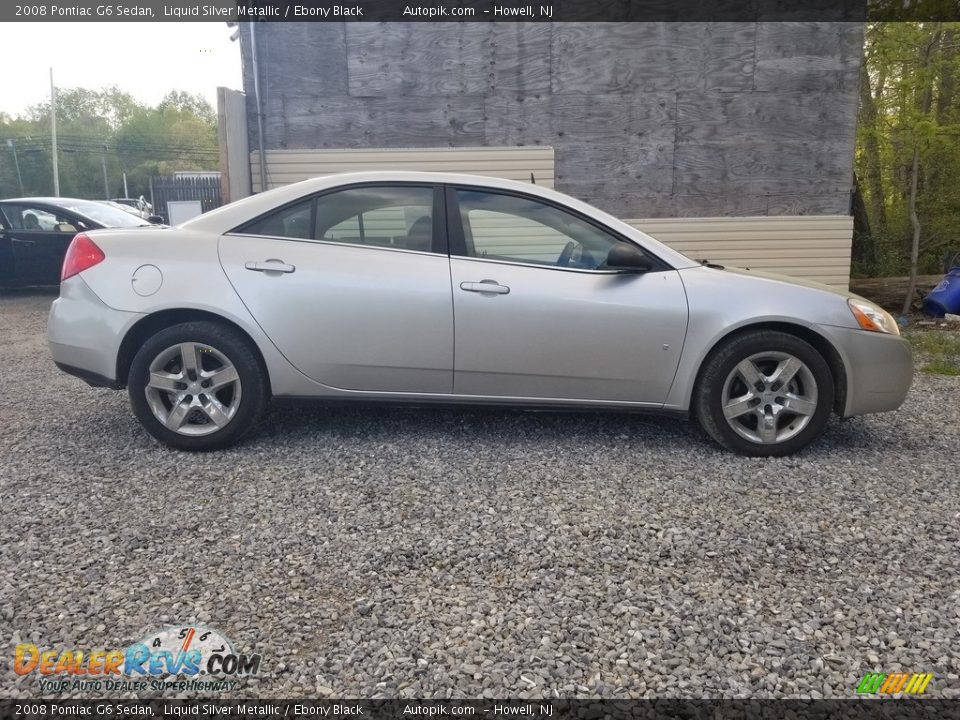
188, 650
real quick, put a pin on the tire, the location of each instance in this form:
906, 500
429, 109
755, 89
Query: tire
767, 419
197, 386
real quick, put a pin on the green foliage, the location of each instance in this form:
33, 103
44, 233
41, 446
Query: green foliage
904, 60
938, 351
179, 133
941, 367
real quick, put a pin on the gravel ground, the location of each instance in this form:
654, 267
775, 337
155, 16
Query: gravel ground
418, 553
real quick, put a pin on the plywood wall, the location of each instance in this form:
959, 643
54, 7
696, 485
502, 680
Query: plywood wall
646, 119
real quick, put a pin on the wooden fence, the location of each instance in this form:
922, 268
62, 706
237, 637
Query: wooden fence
164, 188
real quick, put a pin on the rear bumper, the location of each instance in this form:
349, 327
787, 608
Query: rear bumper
879, 369
90, 378
84, 334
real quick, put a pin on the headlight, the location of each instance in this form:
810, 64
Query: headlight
872, 317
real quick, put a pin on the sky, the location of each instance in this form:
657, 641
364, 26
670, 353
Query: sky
145, 59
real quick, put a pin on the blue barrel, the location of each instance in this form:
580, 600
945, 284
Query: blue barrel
945, 297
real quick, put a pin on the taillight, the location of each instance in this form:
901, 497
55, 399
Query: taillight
82, 254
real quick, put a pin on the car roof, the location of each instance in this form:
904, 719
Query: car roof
66, 203
61, 202
229, 216
48, 200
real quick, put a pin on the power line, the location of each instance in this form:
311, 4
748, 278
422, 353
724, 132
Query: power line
86, 142
124, 145
158, 152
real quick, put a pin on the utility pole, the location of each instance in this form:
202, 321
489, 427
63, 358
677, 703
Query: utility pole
126, 193
16, 162
261, 142
53, 134
103, 163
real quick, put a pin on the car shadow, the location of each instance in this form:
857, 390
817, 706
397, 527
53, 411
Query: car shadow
514, 427
480, 424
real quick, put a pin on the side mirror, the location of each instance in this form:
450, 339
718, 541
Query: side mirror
155, 219
624, 256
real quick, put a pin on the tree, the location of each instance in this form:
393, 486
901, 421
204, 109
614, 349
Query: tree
908, 155
926, 93
870, 142
107, 126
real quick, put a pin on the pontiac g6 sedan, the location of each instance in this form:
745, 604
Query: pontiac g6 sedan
434, 288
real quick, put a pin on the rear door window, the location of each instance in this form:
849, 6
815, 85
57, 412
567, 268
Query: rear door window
389, 216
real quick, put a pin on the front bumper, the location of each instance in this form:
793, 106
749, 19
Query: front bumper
879, 369
84, 334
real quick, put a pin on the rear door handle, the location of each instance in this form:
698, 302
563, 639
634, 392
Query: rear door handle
485, 286
18, 241
270, 266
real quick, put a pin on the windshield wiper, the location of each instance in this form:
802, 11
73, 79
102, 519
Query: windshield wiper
707, 263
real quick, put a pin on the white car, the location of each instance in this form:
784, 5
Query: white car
441, 288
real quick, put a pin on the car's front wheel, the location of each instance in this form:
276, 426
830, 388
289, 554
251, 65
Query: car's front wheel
197, 386
765, 393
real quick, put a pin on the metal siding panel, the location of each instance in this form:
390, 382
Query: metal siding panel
777, 254
816, 248
288, 166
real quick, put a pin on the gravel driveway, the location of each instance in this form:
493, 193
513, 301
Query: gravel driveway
416, 553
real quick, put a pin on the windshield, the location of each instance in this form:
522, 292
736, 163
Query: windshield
105, 214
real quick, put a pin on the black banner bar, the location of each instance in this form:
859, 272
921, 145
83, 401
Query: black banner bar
890, 709
481, 10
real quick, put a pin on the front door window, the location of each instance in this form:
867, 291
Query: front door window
520, 229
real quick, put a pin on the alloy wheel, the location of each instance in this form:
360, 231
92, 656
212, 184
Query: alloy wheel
769, 397
193, 389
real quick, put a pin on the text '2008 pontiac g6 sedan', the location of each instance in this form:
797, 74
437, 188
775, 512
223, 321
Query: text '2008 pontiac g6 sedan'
457, 289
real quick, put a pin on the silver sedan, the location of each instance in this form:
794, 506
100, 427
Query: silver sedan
457, 289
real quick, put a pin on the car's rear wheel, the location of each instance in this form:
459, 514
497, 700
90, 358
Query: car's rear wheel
197, 386
765, 393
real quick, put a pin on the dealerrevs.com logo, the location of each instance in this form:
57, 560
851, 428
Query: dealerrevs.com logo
172, 658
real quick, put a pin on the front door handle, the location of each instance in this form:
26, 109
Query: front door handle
271, 265
485, 286
18, 241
